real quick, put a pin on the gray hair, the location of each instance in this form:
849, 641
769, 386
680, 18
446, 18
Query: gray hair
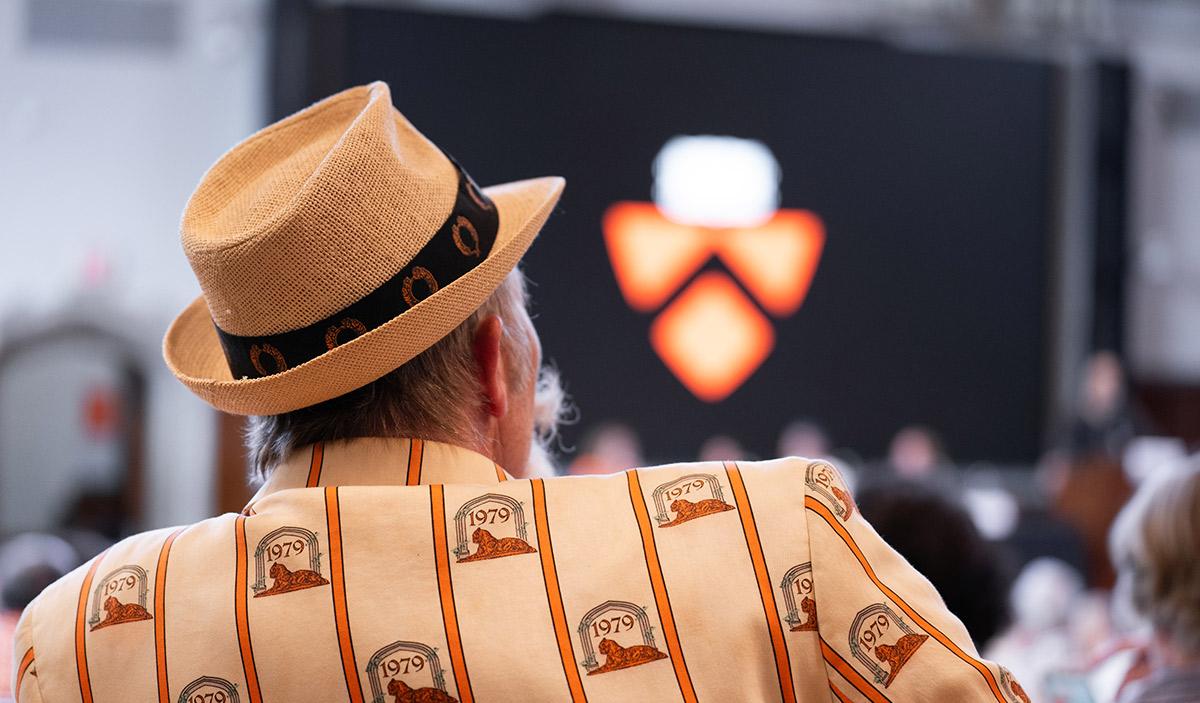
429, 396
1155, 545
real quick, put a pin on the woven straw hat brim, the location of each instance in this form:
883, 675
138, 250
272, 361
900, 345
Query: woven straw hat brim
193, 351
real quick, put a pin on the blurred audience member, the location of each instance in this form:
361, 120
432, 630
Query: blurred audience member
993, 509
1052, 471
1155, 545
939, 539
722, 447
1145, 455
28, 563
607, 448
916, 453
1104, 424
1040, 530
98, 511
1044, 599
804, 438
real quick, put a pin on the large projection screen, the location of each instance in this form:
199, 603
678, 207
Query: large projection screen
929, 173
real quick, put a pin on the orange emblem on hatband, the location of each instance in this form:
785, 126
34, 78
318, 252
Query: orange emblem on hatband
456, 233
349, 323
256, 353
419, 273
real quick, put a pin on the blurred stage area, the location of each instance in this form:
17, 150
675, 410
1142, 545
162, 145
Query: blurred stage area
951, 245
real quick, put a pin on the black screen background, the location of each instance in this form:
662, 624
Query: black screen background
930, 171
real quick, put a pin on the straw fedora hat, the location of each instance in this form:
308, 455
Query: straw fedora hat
332, 247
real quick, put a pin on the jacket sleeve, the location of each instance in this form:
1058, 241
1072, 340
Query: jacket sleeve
24, 671
885, 634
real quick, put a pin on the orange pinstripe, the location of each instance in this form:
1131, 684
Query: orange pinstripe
241, 615
26, 662
315, 464
817, 507
337, 576
554, 595
81, 667
851, 674
160, 618
783, 665
659, 586
416, 456
500, 475
840, 696
446, 590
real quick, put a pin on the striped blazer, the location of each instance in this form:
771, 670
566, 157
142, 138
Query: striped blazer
409, 571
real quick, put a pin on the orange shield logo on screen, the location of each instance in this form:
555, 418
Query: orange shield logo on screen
712, 335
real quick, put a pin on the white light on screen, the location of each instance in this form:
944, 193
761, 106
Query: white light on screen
713, 181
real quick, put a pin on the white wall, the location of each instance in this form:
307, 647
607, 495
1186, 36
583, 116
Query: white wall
101, 142
1164, 277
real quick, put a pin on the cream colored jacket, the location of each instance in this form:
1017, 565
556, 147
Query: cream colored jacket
409, 571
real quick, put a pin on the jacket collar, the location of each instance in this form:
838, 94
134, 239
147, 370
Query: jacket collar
376, 461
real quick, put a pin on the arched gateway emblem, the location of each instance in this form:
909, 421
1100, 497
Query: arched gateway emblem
291, 556
690, 497
879, 636
122, 594
486, 519
410, 671
605, 626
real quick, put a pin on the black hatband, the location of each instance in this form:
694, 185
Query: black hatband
463, 241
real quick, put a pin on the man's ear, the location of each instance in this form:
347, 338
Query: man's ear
489, 337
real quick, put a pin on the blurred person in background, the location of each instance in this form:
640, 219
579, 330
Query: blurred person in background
362, 304
807, 438
721, 447
804, 438
607, 448
1104, 423
1155, 545
939, 539
1044, 600
29, 562
1084, 476
97, 515
916, 452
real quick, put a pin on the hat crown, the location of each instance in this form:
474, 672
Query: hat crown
314, 212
